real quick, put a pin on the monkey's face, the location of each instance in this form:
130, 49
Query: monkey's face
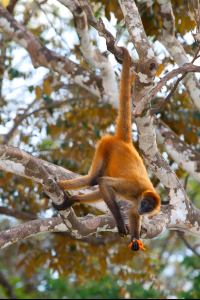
147, 206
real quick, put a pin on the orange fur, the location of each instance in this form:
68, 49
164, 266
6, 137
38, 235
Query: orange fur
117, 167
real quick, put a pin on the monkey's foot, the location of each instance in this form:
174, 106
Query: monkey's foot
123, 230
136, 245
67, 203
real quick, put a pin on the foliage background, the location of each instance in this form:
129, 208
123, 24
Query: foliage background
55, 266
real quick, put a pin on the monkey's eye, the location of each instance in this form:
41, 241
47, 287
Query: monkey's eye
144, 203
150, 208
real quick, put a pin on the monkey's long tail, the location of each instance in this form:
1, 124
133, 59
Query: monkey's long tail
123, 129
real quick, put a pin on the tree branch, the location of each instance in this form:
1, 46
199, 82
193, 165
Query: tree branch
7, 286
11, 6
18, 214
22, 163
180, 214
160, 107
194, 9
147, 67
174, 47
93, 59
27, 114
182, 236
42, 56
144, 103
185, 156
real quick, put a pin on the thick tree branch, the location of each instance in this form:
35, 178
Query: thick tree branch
147, 67
194, 9
185, 156
22, 163
92, 58
78, 227
179, 215
103, 32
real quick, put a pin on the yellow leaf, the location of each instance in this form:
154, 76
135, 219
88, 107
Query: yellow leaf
38, 92
5, 2
47, 88
160, 69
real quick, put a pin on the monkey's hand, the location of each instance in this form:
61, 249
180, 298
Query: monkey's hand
136, 245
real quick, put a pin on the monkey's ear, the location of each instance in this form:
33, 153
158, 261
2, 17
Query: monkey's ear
152, 195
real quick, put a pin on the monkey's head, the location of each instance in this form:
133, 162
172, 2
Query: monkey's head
149, 204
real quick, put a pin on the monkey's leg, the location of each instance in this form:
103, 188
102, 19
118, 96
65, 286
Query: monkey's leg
97, 170
107, 188
72, 184
135, 227
76, 199
75, 184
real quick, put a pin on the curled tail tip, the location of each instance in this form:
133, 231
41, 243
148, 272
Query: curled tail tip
125, 56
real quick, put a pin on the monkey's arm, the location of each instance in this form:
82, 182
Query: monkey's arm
108, 187
135, 227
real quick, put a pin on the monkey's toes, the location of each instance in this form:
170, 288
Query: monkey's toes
67, 203
127, 230
122, 231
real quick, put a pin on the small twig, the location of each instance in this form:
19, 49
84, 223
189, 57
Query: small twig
186, 181
18, 214
162, 105
7, 286
18, 122
32, 11
26, 114
182, 236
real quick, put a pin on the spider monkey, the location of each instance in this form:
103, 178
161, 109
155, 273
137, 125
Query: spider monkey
118, 170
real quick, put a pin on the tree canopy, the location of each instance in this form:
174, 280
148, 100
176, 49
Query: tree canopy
59, 88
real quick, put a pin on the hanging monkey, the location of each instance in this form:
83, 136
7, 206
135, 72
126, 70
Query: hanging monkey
118, 170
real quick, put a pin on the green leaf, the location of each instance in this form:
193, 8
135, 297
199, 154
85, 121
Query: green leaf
31, 88
67, 125
59, 123
47, 99
48, 130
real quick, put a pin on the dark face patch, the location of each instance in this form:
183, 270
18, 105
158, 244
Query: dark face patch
147, 205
